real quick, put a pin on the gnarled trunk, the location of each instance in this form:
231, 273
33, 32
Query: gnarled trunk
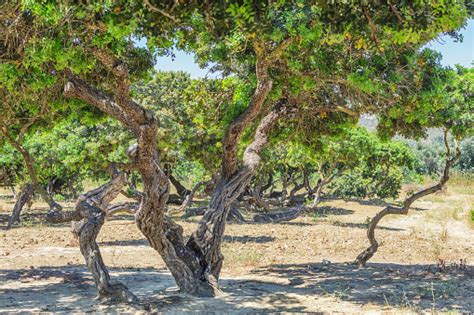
363, 257
90, 213
195, 264
24, 196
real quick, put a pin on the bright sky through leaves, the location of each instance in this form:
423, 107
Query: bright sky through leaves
453, 53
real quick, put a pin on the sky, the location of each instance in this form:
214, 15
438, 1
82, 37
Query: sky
453, 53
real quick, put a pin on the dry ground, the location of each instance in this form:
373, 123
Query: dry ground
298, 266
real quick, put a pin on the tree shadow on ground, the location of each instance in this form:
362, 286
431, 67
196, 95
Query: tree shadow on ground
227, 238
32, 218
417, 287
363, 226
282, 288
324, 211
71, 289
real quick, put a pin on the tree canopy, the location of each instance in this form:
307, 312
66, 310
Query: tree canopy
81, 96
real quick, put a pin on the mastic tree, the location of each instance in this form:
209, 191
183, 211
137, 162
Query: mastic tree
284, 50
448, 105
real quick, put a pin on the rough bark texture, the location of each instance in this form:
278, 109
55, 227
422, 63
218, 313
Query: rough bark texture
195, 265
163, 234
236, 128
279, 216
23, 198
210, 231
363, 257
90, 213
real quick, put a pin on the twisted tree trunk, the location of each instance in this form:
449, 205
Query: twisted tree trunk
90, 213
363, 257
210, 232
24, 196
196, 264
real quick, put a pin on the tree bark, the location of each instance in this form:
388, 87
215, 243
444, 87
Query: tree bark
180, 189
363, 257
196, 264
23, 197
90, 213
210, 231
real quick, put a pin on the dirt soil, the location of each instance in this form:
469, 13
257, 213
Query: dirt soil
425, 263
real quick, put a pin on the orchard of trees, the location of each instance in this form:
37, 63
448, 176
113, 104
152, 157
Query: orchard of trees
276, 128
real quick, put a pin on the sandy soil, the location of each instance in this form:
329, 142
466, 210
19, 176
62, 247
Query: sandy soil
298, 266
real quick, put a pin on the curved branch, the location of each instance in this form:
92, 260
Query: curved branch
391, 209
77, 88
165, 14
236, 128
208, 237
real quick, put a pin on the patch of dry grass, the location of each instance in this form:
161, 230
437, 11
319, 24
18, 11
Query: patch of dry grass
241, 256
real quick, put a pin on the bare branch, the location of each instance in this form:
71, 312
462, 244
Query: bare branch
165, 14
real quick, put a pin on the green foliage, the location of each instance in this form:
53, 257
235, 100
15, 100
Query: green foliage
11, 166
333, 61
368, 167
466, 160
193, 115
361, 163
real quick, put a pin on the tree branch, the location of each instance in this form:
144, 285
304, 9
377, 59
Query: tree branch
236, 128
391, 209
